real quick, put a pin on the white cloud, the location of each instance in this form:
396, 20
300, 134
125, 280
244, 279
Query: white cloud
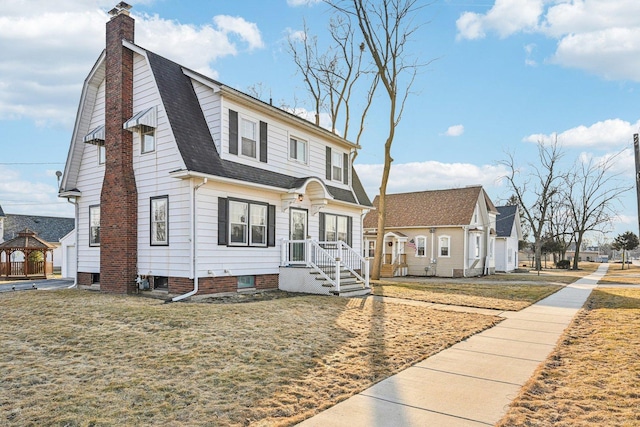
506, 17
455, 130
48, 50
430, 175
604, 134
602, 37
22, 195
296, 3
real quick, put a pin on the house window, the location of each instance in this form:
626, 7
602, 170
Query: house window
477, 252
336, 166
245, 216
246, 282
94, 225
444, 243
160, 220
102, 154
421, 246
475, 216
336, 227
372, 248
298, 150
147, 139
248, 138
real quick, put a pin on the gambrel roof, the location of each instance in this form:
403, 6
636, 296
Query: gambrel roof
452, 207
195, 142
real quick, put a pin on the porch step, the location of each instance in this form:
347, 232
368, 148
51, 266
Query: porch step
387, 270
352, 290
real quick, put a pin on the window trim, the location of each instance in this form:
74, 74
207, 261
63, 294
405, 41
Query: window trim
441, 246
323, 227
93, 208
152, 241
418, 238
247, 237
478, 247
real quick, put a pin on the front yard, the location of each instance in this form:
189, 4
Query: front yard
71, 358
592, 377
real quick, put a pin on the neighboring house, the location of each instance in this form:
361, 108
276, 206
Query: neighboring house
509, 233
48, 228
587, 253
185, 185
447, 233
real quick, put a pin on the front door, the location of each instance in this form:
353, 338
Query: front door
298, 231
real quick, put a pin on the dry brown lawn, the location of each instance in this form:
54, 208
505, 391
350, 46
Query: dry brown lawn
483, 295
77, 358
616, 275
592, 378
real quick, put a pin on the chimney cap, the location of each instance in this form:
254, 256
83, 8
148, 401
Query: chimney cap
121, 7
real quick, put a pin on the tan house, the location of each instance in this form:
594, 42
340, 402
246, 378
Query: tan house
445, 233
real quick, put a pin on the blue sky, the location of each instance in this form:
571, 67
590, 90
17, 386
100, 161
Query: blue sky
505, 74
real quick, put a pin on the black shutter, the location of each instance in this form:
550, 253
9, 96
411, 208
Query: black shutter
321, 224
263, 142
233, 132
271, 227
328, 162
345, 168
349, 233
222, 221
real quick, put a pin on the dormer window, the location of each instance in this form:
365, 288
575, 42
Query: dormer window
248, 138
336, 166
298, 150
102, 155
145, 123
147, 139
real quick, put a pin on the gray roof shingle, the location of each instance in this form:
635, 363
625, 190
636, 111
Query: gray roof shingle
48, 228
196, 144
505, 219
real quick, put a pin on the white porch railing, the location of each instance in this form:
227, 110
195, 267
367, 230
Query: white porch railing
329, 259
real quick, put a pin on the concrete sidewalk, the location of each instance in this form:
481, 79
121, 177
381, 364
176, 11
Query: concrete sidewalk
473, 382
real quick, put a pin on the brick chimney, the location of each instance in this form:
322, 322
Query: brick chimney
119, 197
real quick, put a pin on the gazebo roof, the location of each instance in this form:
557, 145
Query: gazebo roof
27, 239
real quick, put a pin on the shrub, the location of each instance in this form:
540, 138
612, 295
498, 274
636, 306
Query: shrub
563, 263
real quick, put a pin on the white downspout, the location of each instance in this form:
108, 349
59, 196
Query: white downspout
465, 251
75, 226
194, 247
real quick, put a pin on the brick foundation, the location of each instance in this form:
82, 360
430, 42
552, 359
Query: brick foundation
223, 284
84, 279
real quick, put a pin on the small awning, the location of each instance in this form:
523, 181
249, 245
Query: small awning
145, 119
95, 137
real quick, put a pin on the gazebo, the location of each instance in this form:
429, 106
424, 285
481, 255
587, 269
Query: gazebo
26, 257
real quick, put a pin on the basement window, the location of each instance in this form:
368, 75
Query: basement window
245, 282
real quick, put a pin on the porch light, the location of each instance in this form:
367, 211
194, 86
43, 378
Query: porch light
300, 197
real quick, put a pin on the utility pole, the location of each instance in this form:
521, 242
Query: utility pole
636, 149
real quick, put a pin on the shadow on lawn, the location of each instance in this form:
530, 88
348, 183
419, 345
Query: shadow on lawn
626, 299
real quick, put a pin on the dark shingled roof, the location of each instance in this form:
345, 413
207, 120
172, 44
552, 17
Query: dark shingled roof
504, 222
48, 228
196, 144
1, 212
428, 208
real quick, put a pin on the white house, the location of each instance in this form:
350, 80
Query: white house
187, 186
509, 233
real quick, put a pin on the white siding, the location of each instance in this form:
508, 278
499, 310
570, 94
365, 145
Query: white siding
211, 107
279, 133
152, 179
90, 184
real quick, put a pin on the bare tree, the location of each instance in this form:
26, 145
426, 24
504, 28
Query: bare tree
332, 76
592, 194
387, 26
559, 226
535, 192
